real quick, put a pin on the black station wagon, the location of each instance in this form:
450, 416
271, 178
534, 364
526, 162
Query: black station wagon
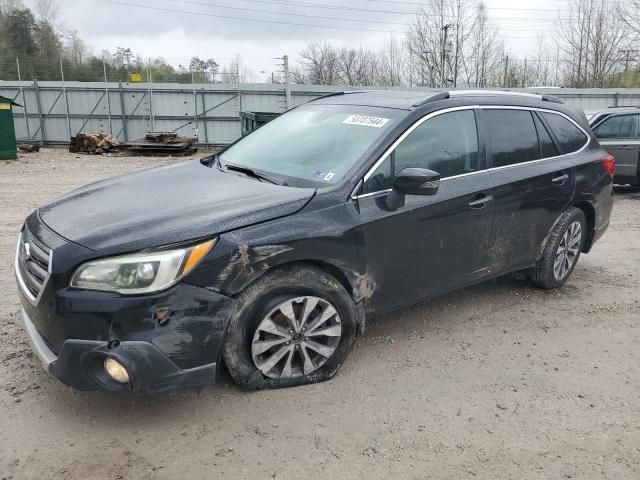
269, 256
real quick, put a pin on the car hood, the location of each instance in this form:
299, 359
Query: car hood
167, 205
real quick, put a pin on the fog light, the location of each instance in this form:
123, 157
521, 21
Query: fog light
116, 370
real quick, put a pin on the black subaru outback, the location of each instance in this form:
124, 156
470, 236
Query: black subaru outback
270, 255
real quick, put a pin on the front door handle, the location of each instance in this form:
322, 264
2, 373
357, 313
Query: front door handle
561, 180
480, 201
627, 147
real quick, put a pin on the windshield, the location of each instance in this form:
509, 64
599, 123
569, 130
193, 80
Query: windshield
313, 145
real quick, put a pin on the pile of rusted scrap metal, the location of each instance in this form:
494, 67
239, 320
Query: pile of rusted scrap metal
161, 144
93, 143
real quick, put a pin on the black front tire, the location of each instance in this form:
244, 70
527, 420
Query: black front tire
543, 273
259, 298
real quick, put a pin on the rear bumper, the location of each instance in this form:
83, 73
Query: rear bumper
80, 364
599, 232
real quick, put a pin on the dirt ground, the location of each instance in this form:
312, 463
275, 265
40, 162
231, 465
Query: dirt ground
496, 381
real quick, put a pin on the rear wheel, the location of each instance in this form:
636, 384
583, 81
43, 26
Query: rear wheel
562, 250
292, 326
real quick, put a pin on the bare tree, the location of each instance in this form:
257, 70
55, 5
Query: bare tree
483, 60
320, 64
629, 13
8, 6
436, 42
391, 63
451, 44
46, 33
357, 67
47, 11
543, 65
76, 48
591, 43
424, 47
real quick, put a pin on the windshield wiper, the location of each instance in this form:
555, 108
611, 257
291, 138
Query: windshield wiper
250, 172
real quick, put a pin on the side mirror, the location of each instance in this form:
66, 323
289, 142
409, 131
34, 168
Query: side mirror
412, 181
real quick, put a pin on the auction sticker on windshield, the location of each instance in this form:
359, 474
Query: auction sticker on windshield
366, 121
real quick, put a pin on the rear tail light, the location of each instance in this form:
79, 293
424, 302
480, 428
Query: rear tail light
609, 164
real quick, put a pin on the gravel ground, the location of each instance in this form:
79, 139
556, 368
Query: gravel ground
496, 381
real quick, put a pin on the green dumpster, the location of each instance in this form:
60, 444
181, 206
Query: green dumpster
252, 120
7, 130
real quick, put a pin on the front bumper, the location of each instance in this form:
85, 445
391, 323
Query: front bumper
166, 340
80, 364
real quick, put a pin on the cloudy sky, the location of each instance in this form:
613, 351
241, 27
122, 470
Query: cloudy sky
260, 30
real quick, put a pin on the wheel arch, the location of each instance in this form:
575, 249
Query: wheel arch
347, 280
590, 216
589, 213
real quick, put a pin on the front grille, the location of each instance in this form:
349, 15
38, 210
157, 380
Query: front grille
33, 265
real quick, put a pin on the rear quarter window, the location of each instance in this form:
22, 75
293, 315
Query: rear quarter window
569, 136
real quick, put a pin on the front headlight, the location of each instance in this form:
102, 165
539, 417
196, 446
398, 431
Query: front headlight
144, 272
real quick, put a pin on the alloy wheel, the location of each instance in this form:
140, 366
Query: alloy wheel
296, 338
568, 251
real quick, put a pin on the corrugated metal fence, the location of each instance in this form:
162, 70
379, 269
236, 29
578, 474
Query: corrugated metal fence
54, 111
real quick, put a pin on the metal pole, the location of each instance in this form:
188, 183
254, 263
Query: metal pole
195, 104
204, 118
24, 101
150, 93
66, 101
287, 83
106, 91
506, 71
444, 54
123, 114
43, 132
238, 84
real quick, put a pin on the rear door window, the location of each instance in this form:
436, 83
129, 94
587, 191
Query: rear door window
512, 136
618, 126
569, 136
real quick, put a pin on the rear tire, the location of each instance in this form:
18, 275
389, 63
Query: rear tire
562, 250
274, 310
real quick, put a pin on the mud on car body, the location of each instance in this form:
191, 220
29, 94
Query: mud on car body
270, 255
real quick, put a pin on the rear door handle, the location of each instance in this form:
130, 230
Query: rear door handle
561, 180
480, 202
627, 147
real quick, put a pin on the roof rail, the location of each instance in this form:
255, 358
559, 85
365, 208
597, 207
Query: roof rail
433, 98
335, 94
480, 93
491, 93
624, 106
551, 98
